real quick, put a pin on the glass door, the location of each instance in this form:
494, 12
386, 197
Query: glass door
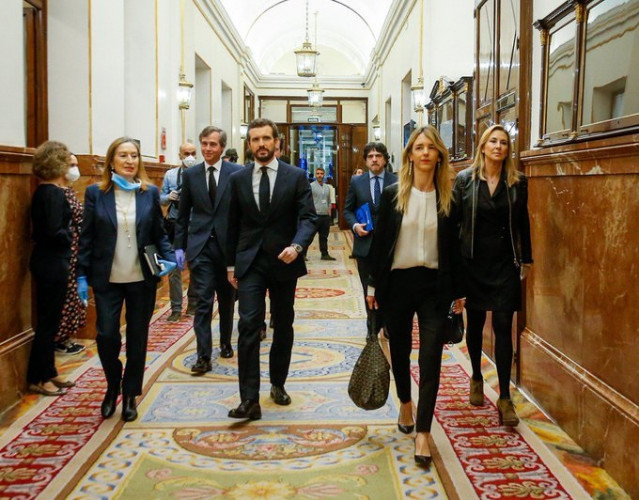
314, 146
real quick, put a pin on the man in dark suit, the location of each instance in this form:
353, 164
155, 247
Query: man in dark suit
367, 188
201, 227
272, 220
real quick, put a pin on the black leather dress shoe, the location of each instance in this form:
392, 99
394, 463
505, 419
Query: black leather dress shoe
202, 365
248, 409
129, 411
279, 395
109, 403
226, 351
423, 460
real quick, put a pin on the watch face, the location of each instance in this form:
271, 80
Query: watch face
298, 248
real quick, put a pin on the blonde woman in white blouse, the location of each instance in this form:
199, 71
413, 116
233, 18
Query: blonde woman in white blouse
122, 215
414, 272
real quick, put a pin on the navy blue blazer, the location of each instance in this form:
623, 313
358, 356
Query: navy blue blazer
291, 218
100, 231
359, 192
197, 219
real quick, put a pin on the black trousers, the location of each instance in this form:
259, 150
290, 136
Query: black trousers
252, 307
374, 317
413, 291
323, 229
51, 280
208, 277
139, 298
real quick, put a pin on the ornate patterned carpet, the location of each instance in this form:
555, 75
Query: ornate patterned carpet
321, 446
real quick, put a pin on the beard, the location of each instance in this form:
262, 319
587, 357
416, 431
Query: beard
264, 155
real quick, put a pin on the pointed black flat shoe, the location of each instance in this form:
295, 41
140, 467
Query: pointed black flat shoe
423, 460
406, 429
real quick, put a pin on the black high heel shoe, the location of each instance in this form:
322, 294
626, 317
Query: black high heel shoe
423, 460
406, 429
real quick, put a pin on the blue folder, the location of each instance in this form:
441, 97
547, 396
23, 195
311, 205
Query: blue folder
363, 216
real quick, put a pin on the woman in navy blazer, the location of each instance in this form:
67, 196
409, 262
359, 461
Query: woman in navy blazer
122, 215
414, 256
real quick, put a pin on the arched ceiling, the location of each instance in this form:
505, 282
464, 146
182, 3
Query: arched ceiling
347, 31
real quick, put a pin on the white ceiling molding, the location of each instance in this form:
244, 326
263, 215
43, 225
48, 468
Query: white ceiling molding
243, 16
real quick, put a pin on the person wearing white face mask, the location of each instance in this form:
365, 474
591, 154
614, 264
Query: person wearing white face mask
170, 195
74, 314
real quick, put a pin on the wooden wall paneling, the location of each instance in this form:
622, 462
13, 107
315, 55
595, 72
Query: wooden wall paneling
16, 329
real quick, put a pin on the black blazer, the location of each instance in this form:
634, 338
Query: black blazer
389, 222
197, 219
359, 192
100, 231
291, 218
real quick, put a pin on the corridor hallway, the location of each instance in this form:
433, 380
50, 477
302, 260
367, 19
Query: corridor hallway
321, 446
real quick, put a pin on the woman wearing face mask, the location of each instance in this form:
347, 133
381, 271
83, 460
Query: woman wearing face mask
49, 264
122, 215
74, 315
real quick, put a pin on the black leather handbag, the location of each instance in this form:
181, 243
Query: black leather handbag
453, 327
370, 380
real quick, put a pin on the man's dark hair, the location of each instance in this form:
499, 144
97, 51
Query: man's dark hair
206, 131
262, 122
376, 146
320, 168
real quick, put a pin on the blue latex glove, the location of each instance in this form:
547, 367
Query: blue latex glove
83, 289
168, 266
180, 259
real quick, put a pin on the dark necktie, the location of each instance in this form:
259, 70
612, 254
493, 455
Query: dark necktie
265, 190
377, 190
212, 185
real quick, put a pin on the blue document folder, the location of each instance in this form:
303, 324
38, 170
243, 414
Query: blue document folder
363, 216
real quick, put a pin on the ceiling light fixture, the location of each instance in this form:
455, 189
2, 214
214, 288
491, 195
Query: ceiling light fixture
306, 56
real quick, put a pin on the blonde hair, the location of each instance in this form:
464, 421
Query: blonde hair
51, 160
106, 183
479, 164
443, 172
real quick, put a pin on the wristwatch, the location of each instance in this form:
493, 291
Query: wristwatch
297, 248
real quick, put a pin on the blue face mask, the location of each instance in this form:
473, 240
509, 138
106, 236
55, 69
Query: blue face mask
123, 184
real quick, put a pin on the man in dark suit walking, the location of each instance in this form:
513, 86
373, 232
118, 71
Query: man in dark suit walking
201, 228
367, 188
272, 221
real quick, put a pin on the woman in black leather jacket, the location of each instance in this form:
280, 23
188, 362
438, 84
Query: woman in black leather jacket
491, 208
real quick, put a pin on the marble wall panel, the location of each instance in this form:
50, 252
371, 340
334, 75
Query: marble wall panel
582, 293
579, 352
594, 415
